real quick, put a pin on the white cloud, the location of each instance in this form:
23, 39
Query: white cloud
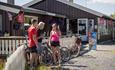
102, 1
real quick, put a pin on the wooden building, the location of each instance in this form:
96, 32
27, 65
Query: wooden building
70, 16
79, 19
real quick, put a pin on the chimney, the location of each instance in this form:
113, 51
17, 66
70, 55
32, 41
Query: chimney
10, 1
70, 0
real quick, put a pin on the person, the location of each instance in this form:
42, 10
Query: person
78, 44
91, 42
54, 41
40, 37
32, 42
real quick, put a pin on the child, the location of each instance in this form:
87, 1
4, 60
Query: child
91, 42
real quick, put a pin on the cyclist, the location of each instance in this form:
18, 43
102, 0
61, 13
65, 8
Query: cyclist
54, 41
40, 37
32, 42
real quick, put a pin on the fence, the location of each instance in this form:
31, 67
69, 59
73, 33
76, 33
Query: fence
16, 62
9, 44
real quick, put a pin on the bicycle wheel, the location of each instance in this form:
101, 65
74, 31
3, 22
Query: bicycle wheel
47, 57
65, 55
76, 52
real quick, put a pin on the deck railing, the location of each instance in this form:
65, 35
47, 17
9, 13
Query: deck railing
9, 44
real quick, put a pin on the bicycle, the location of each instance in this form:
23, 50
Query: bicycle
64, 52
75, 50
47, 54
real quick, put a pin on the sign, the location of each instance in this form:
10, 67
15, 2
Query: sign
101, 20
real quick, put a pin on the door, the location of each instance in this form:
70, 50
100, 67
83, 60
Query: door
83, 28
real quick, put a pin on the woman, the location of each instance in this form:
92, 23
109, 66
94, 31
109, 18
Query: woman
54, 41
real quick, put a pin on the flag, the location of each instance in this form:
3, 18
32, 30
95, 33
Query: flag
9, 16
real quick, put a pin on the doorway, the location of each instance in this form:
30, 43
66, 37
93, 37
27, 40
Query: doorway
83, 28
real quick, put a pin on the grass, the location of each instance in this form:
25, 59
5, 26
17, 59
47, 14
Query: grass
1, 66
41, 67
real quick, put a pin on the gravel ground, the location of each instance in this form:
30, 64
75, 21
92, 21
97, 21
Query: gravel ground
102, 59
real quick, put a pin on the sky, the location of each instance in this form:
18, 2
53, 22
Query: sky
104, 6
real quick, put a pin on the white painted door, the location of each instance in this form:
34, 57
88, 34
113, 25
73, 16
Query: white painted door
83, 28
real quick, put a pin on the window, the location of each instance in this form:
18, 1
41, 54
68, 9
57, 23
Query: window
104, 27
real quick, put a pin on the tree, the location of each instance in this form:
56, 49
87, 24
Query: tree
113, 15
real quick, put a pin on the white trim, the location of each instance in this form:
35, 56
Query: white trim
83, 37
9, 9
86, 24
93, 24
52, 14
31, 3
26, 9
67, 23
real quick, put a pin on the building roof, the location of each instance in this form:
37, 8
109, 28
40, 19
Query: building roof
16, 9
70, 4
73, 5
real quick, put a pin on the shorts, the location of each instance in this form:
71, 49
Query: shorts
39, 48
32, 49
55, 44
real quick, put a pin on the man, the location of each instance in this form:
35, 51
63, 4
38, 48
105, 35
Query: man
33, 44
40, 37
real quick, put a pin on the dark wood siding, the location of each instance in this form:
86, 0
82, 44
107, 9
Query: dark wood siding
63, 9
3, 20
6, 24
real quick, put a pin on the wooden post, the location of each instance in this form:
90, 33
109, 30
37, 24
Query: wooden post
67, 23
